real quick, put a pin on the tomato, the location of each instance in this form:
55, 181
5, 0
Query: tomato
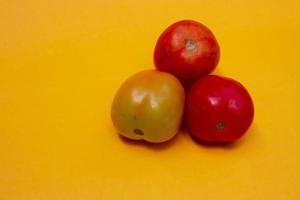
149, 106
219, 109
188, 50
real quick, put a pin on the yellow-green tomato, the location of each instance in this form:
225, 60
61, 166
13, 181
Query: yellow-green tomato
149, 106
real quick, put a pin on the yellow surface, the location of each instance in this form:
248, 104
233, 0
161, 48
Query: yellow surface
61, 62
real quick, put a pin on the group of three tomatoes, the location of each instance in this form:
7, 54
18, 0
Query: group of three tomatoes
153, 104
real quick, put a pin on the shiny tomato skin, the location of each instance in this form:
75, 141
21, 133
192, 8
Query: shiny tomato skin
149, 106
188, 50
219, 109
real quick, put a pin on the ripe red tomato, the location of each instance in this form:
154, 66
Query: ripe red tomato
219, 109
188, 50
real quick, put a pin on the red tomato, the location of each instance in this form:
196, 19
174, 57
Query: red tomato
218, 109
188, 50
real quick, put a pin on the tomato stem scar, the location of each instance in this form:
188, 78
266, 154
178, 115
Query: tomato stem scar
138, 131
190, 44
220, 126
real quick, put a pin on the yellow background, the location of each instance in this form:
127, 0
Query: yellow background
61, 62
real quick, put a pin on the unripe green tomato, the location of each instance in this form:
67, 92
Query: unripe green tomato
149, 106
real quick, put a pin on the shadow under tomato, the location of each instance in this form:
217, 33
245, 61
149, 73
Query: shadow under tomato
226, 145
152, 146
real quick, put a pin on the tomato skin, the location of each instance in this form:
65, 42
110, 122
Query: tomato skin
149, 106
219, 109
188, 50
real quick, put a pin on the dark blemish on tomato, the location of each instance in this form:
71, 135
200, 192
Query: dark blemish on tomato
220, 126
134, 117
138, 131
190, 44
212, 53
